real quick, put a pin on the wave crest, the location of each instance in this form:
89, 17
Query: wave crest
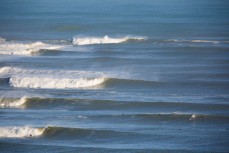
4, 102
14, 71
103, 40
30, 78
48, 83
20, 132
15, 48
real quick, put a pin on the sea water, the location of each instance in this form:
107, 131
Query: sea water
114, 76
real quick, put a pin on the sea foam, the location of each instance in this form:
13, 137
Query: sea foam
16, 48
20, 132
5, 102
29, 48
31, 78
103, 40
60, 83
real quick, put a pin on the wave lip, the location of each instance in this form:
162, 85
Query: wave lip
20, 132
103, 40
12, 102
56, 83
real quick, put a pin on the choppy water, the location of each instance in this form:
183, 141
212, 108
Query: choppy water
114, 76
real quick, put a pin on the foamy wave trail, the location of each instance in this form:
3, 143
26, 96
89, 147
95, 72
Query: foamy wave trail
49, 83
103, 40
27, 78
16, 48
14, 71
193, 41
205, 41
6, 102
20, 132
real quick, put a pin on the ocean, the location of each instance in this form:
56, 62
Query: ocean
122, 76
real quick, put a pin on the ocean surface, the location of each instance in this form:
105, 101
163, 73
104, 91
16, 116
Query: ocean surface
123, 76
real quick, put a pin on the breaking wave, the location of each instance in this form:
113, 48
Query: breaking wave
27, 78
16, 48
55, 132
103, 40
20, 132
6, 102
48, 83
30, 48
14, 71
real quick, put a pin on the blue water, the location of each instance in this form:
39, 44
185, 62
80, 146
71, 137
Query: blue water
114, 76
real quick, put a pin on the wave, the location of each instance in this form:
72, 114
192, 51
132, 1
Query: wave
27, 78
135, 107
14, 71
96, 104
36, 48
36, 78
55, 132
53, 83
103, 40
30, 78
7, 102
20, 132
67, 132
16, 48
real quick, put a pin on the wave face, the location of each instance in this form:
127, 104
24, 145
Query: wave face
20, 132
12, 102
26, 78
103, 40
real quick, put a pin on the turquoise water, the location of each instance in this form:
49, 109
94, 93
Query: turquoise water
114, 76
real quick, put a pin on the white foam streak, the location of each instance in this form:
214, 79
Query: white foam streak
103, 40
13, 48
28, 78
35, 82
20, 132
205, 41
194, 41
12, 102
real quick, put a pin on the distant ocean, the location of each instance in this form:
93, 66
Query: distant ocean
114, 76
